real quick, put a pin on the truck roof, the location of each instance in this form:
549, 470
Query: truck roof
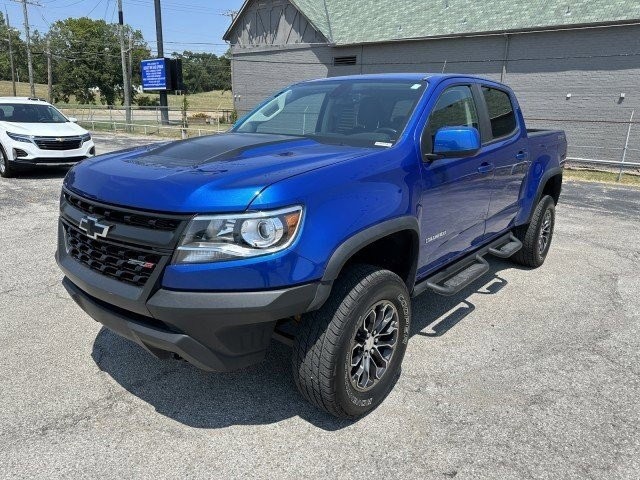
417, 77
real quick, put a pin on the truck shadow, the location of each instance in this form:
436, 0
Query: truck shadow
264, 393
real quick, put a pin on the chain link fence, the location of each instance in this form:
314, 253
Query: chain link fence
611, 145
148, 120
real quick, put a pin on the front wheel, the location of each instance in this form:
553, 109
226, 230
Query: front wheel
537, 235
6, 168
347, 355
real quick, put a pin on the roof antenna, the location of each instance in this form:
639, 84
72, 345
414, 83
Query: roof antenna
444, 65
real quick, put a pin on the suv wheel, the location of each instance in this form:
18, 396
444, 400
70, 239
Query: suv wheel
6, 169
347, 355
536, 236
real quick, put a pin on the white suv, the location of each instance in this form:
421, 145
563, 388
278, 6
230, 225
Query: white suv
34, 132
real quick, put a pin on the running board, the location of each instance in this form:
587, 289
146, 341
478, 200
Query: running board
507, 249
453, 279
465, 271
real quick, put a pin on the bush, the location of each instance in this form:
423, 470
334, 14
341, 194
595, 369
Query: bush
144, 101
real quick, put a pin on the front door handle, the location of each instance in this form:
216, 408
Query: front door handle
522, 155
485, 168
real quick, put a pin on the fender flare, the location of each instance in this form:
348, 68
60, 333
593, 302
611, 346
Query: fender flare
552, 172
357, 242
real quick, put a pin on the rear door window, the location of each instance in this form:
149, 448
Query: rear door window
501, 114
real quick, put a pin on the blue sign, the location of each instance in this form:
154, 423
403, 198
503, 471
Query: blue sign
154, 74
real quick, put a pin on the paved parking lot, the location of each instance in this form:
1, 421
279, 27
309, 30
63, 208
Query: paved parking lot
525, 374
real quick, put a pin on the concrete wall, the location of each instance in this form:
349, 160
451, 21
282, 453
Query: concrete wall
594, 65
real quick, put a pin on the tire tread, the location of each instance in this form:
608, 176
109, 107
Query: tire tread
315, 351
528, 235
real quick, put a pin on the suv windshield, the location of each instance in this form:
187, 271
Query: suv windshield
30, 113
359, 112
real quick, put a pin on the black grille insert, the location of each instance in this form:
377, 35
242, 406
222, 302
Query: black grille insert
120, 216
58, 143
120, 262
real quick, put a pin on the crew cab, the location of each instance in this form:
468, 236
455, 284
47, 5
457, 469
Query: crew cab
34, 132
313, 221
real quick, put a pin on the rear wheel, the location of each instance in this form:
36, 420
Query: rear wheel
6, 168
537, 235
347, 355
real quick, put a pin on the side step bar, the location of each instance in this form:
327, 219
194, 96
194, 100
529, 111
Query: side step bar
467, 270
453, 279
507, 249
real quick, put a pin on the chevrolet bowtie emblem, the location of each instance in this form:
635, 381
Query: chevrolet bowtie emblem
93, 228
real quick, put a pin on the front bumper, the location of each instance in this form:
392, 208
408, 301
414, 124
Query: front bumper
216, 331
29, 154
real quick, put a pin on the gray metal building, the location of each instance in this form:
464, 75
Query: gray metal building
574, 64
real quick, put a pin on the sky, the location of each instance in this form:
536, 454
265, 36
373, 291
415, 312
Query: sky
195, 25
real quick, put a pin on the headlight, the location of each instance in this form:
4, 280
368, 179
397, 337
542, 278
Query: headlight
20, 138
85, 137
213, 238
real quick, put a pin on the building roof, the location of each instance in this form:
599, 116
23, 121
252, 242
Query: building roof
346, 22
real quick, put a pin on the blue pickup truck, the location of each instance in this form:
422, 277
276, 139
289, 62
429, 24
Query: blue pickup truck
313, 221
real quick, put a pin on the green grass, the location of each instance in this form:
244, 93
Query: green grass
22, 89
601, 176
142, 128
205, 101
216, 100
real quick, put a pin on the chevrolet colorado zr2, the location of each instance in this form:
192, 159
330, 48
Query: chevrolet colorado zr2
313, 221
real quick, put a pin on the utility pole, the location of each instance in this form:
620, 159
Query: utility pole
232, 16
13, 72
130, 65
49, 72
125, 70
28, 39
164, 102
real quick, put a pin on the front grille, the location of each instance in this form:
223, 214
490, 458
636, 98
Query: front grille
120, 216
58, 143
111, 259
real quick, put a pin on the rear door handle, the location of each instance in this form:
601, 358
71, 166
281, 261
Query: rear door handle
485, 168
522, 155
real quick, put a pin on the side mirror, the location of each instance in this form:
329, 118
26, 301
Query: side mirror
73, 119
456, 142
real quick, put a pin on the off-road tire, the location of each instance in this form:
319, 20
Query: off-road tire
323, 349
531, 254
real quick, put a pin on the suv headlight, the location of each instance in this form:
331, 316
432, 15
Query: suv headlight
20, 138
212, 238
85, 137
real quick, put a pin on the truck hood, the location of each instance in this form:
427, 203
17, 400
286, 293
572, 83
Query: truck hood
218, 173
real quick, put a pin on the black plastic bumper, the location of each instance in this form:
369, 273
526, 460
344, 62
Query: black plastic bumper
215, 331
49, 161
218, 331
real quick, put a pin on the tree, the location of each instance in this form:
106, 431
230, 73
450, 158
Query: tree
86, 59
204, 72
19, 52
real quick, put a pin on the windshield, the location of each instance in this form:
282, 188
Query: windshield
30, 113
359, 112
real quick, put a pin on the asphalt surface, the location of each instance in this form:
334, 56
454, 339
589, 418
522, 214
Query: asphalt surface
525, 374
